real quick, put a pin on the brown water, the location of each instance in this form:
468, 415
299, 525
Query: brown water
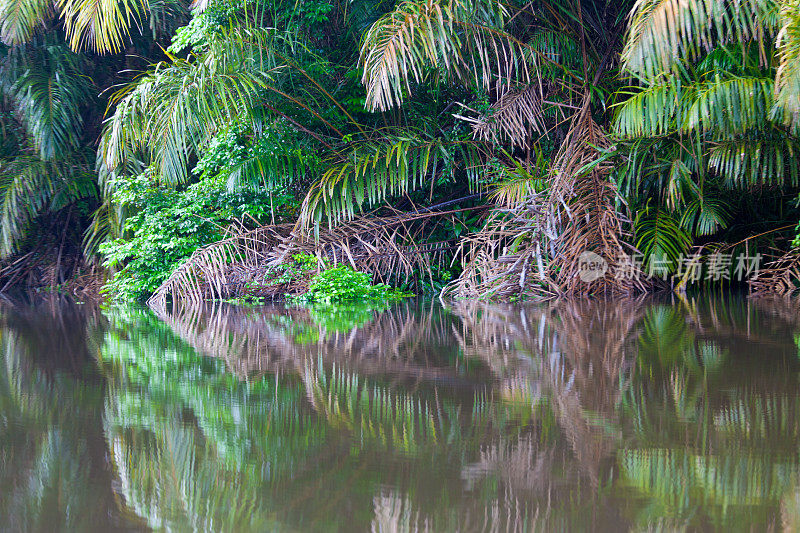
570, 416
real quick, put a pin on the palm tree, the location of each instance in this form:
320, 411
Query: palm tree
101, 27
713, 112
45, 168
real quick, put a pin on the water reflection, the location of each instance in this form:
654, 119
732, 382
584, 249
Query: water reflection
634, 415
53, 472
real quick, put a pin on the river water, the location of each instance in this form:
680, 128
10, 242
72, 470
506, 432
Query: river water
671, 414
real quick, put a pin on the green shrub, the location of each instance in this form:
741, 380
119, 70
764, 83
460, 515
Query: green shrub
166, 226
343, 284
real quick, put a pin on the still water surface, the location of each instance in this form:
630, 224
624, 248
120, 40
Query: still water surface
569, 416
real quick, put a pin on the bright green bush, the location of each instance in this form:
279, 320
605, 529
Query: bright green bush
343, 284
165, 226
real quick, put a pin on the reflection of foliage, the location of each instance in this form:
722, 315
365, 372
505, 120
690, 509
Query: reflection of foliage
345, 317
548, 424
51, 477
242, 420
725, 486
668, 342
192, 443
665, 338
343, 284
390, 419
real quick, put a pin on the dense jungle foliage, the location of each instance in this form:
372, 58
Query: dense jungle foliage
135, 132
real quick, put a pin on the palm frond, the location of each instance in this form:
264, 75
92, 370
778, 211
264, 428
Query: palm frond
725, 106
50, 95
21, 19
664, 32
519, 183
728, 106
28, 185
372, 171
650, 112
557, 47
515, 116
461, 37
787, 79
397, 47
101, 26
705, 216
660, 236
169, 113
768, 159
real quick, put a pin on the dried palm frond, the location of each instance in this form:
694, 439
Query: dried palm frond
507, 257
780, 277
515, 116
539, 247
390, 248
583, 202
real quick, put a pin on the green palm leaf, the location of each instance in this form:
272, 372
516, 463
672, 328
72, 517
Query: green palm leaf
49, 93
29, 185
371, 171
172, 111
100, 25
769, 158
729, 105
660, 235
22, 19
461, 37
650, 112
663, 33
705, 216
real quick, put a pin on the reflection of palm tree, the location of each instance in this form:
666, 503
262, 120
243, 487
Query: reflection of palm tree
358, 411
575, 353
400, 341
707, 452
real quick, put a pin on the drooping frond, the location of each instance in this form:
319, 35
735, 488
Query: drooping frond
462, 37
728, 106
787, 79
763, 160
398, 46
651, 112
664, 32
174, 109
660, 237
723, 106
28, 185
158, 120
705, 216
102, 26
372, 171
50, 95
515, 117
21, 19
